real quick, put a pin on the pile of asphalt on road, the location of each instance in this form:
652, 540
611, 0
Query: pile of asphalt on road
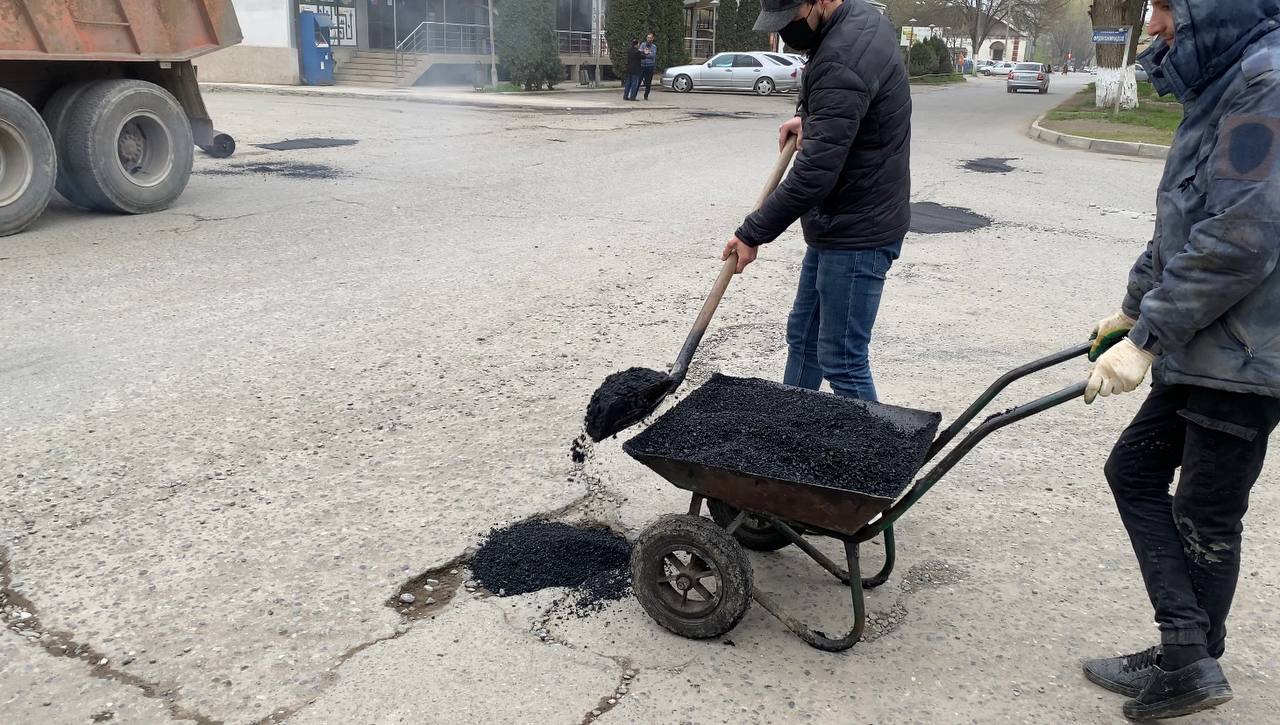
762, 428
533, 555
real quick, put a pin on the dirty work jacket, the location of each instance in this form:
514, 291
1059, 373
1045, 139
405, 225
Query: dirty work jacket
851, 182
1206, 292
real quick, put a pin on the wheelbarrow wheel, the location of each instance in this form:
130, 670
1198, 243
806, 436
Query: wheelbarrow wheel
691, 576
754, 533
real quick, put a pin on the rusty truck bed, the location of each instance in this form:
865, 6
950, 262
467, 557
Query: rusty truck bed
115, 30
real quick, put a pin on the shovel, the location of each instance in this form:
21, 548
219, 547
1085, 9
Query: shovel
628, 397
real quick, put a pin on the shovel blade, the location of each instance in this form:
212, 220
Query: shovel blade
625, 398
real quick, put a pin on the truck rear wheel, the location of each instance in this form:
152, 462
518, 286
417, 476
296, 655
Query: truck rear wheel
28, 164
55, 117
128, 147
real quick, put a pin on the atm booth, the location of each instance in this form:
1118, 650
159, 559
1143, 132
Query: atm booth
315, 48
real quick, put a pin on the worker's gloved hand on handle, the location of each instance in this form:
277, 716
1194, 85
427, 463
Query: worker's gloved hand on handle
1119, 370
1108, 332
746, 253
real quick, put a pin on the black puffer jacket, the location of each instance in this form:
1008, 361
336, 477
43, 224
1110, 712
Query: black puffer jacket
851, 182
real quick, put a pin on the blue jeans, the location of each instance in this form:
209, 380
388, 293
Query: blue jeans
631, 87
830, 325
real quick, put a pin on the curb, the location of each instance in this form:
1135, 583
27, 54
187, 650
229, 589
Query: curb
306, 91
1096, 145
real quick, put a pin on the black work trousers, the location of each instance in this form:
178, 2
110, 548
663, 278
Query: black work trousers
1188, 543
646, 80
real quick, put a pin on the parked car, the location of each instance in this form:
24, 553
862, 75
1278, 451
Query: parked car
1028, 75
754, 71
1140, 73
803, 60
998, 68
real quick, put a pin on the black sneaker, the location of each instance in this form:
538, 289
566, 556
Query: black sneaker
1126, 675
1198, 686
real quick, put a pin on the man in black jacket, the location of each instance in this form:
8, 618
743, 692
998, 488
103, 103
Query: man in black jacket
631, 86
850, 186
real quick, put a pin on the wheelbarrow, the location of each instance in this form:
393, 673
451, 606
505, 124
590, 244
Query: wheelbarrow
691, 574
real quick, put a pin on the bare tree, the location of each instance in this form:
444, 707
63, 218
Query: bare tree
981, 16
1072, 35
1112, 79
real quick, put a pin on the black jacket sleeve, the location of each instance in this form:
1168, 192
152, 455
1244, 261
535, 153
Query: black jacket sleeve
836, 100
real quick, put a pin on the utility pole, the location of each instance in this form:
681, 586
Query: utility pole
493, 52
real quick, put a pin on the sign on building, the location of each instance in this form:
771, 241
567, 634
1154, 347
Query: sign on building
921, 32
344, 20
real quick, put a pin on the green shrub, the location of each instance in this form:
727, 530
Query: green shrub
632, 19
924, 61
943, 53
525, 34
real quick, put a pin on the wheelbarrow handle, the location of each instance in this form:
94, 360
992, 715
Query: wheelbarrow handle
998, 386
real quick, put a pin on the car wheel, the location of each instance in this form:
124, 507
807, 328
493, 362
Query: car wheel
682, 84
764, 86
1044, 91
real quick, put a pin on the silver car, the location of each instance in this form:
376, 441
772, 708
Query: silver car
764, 73
1028, 75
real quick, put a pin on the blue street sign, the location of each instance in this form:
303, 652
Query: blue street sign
1110, 36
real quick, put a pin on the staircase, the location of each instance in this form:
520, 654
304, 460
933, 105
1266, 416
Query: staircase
378, 68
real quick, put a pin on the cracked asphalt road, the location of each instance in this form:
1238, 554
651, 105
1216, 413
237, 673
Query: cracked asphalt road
233, 430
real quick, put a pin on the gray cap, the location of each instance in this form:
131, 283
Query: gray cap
775, 14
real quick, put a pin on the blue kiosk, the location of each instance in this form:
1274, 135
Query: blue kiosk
314, 48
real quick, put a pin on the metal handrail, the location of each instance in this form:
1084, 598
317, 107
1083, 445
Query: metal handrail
436, 37
575, 42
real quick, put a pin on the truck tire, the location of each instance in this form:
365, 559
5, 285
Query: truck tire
128, 147
55, 117
28, 164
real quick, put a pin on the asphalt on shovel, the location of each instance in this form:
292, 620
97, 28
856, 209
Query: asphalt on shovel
628, 397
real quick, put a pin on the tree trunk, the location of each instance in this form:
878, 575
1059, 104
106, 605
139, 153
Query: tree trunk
1112, 79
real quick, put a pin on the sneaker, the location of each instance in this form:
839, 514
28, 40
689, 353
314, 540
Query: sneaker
1198, 686
1127, 675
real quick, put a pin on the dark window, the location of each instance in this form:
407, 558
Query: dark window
778, 59
746, 61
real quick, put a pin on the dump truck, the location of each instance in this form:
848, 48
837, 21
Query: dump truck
99, 100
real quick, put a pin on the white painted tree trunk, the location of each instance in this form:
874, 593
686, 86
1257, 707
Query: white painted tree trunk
1117, 80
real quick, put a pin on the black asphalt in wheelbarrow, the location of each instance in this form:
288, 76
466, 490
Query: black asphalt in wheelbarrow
770, 475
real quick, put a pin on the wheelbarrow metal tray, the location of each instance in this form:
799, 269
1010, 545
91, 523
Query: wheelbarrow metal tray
813, 458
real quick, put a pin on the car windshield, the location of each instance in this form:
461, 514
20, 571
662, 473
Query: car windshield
1028, 66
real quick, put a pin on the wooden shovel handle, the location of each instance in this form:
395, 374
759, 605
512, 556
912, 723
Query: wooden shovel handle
727, 271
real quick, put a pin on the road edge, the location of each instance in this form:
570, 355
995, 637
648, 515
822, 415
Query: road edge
479, 102
1096, 145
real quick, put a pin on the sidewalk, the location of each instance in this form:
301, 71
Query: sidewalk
571, 98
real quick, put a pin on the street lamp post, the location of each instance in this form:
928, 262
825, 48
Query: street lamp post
911, 40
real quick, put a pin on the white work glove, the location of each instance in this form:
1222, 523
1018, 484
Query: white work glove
1107, 332
1119, 370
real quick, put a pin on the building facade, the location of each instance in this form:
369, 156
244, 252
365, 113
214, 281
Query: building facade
419, 34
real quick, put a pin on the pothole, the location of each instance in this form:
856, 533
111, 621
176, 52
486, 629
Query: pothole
930, 218
426, 594
925, 575
726, 114
286, 169
298, 144
989, 165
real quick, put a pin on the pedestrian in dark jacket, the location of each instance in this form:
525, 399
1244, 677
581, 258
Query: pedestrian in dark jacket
850, 185
635, 60
1203, 306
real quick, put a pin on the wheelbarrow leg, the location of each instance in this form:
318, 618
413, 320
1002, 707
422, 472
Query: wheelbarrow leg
804, 545
889, 559
695, 505
817, 639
